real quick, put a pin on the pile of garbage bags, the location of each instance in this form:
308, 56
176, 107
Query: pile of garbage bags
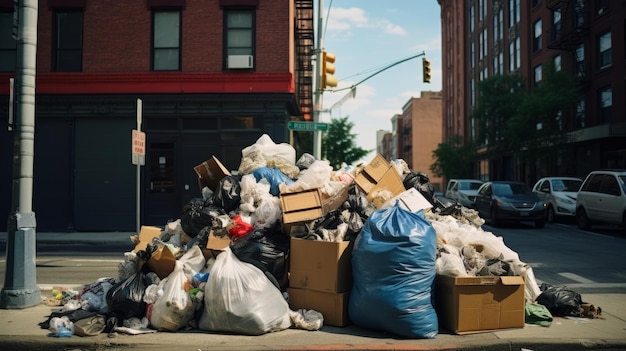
241, 287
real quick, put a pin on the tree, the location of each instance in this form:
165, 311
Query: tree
499, 100
338, 143
454, 159
523, 123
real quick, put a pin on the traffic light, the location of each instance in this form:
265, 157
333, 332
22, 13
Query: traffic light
328, 69
426, 70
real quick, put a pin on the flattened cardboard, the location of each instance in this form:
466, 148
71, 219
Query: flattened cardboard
333, 306
477, 304
320, 265
210, 172
146, 234
411, 200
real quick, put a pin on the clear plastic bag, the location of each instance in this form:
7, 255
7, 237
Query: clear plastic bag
239, 298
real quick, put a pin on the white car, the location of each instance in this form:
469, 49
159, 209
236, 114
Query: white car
602, 198
463, 191
559, 193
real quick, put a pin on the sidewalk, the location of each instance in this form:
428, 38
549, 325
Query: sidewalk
19, 329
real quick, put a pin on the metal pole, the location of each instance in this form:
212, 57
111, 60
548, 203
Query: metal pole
20, 283
138, 194
317, 96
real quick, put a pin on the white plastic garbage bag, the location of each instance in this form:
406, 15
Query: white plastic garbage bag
239, 298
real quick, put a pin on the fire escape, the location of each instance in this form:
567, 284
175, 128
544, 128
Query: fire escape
569, 33
304, 36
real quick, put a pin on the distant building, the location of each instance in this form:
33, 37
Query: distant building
213, 77
418, 132
585, 38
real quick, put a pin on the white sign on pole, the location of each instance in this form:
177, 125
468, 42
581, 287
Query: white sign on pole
139, 147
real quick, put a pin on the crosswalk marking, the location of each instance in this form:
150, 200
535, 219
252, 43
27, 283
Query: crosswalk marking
577, 278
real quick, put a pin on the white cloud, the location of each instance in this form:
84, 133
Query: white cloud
344, 19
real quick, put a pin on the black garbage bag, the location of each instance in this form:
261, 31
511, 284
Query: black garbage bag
268, 250
560, 300
198, 214
357, 202
228, 194
125, 299
421, 182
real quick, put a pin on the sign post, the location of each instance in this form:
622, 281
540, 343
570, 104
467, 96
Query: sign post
139, 157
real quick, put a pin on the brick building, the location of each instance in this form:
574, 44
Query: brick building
418, 133
482, 38
213, 76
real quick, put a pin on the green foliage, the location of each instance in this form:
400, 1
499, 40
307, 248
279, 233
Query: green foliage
338, 143
527, 124
454, 159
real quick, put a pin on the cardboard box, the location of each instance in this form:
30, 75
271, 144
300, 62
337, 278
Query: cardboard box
320, 265
308, 205
333, 306
475, 304
162, 261
372, 173
379, 175
210, 172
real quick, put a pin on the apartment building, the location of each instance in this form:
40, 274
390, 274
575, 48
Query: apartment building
482, 38
212, 76
418, 133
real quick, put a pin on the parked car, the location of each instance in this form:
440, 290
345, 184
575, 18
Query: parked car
559, 194
602, 198
463, 191
501, 201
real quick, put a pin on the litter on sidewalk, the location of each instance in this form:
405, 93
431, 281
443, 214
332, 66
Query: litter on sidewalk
285, 243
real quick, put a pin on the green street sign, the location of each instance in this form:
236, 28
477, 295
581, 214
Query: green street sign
307, 126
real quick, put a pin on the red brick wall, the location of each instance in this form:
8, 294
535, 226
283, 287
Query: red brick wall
117, 36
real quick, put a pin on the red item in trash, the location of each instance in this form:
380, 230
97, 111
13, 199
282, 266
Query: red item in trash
240, 229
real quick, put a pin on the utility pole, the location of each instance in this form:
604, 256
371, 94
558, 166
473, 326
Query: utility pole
317, 93
20, 283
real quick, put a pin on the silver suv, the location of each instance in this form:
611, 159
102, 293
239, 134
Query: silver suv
602, 198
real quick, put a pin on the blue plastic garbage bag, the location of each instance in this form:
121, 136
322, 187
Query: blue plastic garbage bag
393, 266
273, 176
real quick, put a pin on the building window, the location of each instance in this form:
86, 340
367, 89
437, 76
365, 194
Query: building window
580, 114
514, 12
166, 41
604, 47
482, 9
239, 32
602, 6
580, 13
537, 36
472, 54
8, 44
606, 104
580, 60
67, 55
537, 77
471, 19
514, 54
557, 63
556, 24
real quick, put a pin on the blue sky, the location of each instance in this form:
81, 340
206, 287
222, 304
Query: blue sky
367, 35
